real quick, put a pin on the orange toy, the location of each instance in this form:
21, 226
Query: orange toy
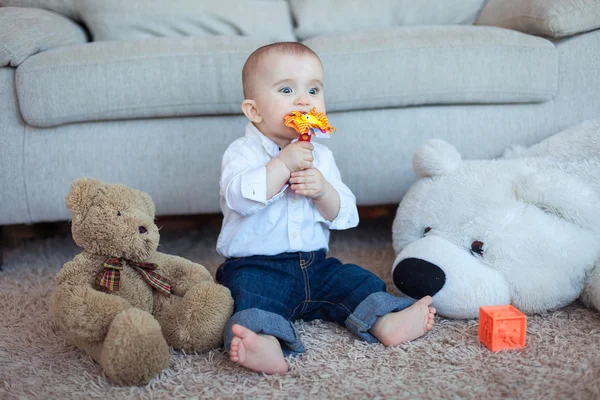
502, 327
308, 124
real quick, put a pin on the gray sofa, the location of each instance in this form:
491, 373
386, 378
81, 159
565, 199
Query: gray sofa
149, 95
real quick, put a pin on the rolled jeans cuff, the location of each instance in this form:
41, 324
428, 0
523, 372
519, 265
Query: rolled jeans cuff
371, 308
266, 323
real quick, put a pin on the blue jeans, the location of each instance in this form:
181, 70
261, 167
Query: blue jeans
271, 292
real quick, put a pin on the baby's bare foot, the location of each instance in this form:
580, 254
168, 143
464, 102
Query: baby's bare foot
405, 325
261, 353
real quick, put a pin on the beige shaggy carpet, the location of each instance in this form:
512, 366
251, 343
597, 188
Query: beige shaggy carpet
561, 359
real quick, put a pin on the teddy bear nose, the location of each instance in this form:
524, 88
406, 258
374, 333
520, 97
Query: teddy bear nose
418, 278
142, 229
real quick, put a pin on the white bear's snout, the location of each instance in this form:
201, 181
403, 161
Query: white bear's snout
458, 282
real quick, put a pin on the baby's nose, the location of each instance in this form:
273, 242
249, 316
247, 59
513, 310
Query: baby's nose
302, 101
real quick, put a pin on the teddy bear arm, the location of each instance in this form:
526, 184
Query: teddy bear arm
85, 312
190, 276
78, 272
183, 273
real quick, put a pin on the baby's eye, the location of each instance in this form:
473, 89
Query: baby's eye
313, 91
285, 90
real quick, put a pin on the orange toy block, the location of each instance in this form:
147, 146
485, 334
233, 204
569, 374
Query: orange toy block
502, 327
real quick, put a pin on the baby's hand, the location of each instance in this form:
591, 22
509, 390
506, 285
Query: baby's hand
309, 182
297, 156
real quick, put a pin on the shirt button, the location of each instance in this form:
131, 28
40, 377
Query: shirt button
294, 235
262, 205
294, 200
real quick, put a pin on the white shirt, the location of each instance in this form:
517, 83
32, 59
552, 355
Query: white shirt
255, 225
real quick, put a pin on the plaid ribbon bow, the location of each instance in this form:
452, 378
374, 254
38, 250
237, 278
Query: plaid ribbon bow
108, 279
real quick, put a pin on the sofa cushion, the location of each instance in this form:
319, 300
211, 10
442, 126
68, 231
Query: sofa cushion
395, 67
18, 41
553, 18
140, 19
64, 7
161, 77
317, 17
137, 19
411, 66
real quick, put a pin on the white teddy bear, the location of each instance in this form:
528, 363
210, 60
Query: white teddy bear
521, 230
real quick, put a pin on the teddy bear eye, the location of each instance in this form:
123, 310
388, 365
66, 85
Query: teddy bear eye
477, 248
118, 213
426, 230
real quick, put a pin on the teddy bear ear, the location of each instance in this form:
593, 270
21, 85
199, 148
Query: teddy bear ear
149, 203
81, 196
435, 158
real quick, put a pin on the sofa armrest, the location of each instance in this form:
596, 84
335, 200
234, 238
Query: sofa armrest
28, 31
552, 18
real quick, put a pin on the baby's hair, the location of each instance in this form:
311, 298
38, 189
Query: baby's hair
254, 59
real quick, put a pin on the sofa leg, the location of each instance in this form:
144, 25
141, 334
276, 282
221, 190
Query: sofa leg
2, 241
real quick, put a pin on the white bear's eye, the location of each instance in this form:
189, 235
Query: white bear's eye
118, 213
477, 247
426, 230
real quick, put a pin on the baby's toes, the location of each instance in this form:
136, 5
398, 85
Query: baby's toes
432, 310
233, 349
430, 320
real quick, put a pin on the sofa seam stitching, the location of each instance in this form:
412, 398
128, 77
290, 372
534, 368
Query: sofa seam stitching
516, 47
58, 119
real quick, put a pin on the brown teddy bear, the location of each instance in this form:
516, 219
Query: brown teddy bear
123, 302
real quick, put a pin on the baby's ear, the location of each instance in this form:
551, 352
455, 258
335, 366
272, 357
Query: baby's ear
251, 111
563, 195
81, 196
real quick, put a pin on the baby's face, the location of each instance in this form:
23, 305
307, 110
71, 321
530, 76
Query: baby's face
285, 83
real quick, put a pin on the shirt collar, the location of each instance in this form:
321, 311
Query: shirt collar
270, 146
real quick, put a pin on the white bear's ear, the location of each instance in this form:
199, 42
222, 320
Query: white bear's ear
563, 195
434, 158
